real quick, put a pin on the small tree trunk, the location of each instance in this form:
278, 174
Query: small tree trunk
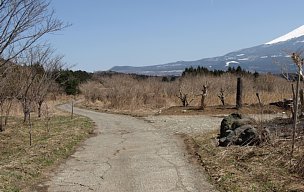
239, 93
183, 98
2, 128
72, 112
295, 118
204, 95
259, 99
221, 96
25, 114
39, 108
48, 118
293, 101
7, 112
30, 128
26, 110
203, 102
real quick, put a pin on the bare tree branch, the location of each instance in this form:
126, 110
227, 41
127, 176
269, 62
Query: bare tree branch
23, 23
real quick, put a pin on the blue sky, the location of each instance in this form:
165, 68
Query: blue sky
105, 33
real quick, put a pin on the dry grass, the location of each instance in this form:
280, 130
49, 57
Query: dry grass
123, 92
22, 165
50, 105
242, 169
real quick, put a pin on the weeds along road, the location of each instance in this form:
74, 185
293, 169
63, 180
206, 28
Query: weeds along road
128, 155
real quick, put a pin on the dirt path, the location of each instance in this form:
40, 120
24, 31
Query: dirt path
128, 155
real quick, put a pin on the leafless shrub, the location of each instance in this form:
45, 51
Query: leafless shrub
187, 92
221, 96
93, 90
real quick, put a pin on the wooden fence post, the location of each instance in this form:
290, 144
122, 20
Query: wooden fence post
239, 93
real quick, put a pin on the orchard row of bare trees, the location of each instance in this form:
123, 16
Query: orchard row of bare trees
28, 66
121, 91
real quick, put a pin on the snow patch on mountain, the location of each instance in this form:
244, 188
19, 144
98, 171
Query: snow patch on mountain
240, 55
298, 42
293, 34
231, 62
169, 65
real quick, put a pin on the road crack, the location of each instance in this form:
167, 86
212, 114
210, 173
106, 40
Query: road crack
179, 183
86, 186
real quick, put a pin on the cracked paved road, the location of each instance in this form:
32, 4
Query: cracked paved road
128, 155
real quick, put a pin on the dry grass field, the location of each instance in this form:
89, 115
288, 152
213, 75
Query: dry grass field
131, 93
53, 140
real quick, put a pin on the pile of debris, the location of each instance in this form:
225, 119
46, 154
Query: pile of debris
285, 104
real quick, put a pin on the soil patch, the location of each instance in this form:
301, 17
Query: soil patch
218, 110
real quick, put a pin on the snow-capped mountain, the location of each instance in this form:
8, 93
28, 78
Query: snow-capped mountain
269, 57
293, 34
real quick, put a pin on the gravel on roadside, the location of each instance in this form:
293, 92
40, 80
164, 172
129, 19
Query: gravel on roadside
191, 125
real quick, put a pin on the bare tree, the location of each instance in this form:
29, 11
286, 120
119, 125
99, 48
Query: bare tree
203, 96
8, 91
186, 91
23, 23
39, 69
299, 61
25, 97
50, 66
221, 96
284, 69
3, 97
184, 98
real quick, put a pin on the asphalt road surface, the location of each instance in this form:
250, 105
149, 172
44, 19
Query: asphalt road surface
128, 155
